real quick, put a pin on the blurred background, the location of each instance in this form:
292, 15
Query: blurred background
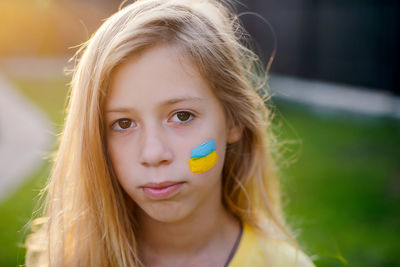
335, 85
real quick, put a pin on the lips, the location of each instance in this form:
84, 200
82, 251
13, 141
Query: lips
161, 190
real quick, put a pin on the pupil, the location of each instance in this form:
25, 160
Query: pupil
124, 124
183, 116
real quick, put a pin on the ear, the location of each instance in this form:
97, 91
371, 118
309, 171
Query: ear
234, 134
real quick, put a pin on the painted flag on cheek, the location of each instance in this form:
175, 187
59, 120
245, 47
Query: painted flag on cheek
203, 157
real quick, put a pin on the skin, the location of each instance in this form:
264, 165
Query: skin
149, 141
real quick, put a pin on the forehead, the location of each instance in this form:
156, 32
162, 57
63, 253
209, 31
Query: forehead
157, 74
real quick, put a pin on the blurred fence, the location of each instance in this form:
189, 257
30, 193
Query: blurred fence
355, 42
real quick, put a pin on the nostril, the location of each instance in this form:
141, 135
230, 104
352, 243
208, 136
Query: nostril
164, 162
145, 164
155, 163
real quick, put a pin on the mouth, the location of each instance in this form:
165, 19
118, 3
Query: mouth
161, 190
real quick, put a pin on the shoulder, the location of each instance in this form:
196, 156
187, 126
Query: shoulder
258, 250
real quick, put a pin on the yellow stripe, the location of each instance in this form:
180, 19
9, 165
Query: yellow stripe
199, 165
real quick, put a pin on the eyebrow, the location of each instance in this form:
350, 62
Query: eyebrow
168, 102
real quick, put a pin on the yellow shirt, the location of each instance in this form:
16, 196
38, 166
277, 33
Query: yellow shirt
256, 252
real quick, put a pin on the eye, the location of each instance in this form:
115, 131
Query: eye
182, 117
123, 124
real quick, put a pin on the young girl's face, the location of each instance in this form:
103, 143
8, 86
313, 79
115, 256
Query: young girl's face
158, 110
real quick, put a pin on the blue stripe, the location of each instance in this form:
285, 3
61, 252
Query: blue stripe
203, 149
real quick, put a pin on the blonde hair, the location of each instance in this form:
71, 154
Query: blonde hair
87, 217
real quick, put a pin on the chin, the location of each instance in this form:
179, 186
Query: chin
166, 212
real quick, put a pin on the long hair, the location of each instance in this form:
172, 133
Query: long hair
87, 217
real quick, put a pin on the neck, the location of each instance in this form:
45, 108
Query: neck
206, 231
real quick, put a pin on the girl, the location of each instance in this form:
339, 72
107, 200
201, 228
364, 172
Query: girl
166, 155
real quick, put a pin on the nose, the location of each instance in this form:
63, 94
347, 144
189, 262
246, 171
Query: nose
155, 150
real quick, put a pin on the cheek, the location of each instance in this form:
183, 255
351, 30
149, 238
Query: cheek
207, 156
119, 159
112, 152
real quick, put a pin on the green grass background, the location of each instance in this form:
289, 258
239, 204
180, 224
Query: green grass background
15, 212
342, 188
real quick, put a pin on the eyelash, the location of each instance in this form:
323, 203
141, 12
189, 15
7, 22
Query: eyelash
120, 129
191, 116
115, 126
